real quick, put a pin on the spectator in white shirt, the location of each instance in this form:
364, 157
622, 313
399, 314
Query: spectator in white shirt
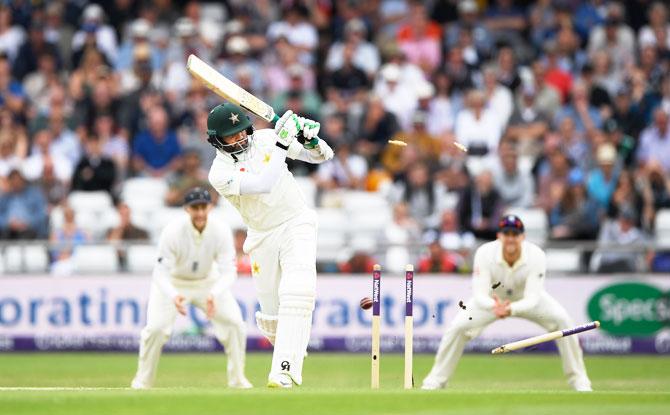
298, 30
44, 154
499, 97
366, 55
514, 186
399, 97
347, 170
11, 36
658, 21
655, 141
478, 128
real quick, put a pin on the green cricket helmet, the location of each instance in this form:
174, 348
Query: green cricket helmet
225, 120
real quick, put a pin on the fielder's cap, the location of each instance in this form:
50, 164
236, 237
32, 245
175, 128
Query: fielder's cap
510, 223
196, 196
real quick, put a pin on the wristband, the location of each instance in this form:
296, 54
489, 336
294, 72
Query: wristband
282, 146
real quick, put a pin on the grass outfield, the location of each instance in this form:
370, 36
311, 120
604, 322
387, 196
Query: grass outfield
334, 384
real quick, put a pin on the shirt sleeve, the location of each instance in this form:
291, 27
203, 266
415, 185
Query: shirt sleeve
225, 181
534, 285
481, 281
165, 264
225, 263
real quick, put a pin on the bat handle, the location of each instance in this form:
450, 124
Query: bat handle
301, 139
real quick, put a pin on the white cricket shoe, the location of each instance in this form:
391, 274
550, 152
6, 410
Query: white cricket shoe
430, 385
280, 380
137, 385
242, 383
582, 386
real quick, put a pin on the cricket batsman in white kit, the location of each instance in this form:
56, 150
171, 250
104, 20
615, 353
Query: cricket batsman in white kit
250, 172
508, 279
196, 264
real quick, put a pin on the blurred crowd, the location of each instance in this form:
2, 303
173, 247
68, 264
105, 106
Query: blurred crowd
563, 106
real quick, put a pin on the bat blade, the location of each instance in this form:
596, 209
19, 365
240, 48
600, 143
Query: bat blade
228, 89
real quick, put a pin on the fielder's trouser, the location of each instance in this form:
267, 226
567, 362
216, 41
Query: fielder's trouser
548, 313
284, 273
228, 325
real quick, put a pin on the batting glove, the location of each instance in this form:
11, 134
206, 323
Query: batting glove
287, 128
310, 133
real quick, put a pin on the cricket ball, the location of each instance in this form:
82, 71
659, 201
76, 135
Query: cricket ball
366, 303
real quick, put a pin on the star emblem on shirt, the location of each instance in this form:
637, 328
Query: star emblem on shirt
234, 118
255, 268
266, 158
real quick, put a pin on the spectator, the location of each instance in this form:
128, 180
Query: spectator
347, 170
627, 196
191, 175
95, 171
619, 233
451, 237
140, 74
468, 19
514, 186
399, 96
477, 127
39, 84
428, 147
615, 36
65, 240
573, 214
12, 95
437, 260
44, 154
242, 260
602, 180
479, 207
657, 15
298, 30
11, 36
23, 210
506, 22
377, 126
348, 84
420, 38
655, 185
13, 148
310, 102
554, 169
577, 147
498, 97
140, 31
548, 96
95, 33
57, 32
458, 71
125, 231
507, 70
655, 141
589, 14
399, 235
587, 118
418, 190
156, 150
238, 55
360, 262
437, 105
364, 55
32, 49
527, 124
114, 145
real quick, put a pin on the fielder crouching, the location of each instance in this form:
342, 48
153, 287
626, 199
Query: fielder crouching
195, 264
508, 280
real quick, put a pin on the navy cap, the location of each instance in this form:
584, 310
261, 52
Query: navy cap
197, 195
510, 223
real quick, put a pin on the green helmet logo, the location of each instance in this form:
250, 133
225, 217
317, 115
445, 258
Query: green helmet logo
227, 119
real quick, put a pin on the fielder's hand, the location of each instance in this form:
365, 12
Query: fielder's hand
501, 309
310, 133
211, 308
180, 304
287, 128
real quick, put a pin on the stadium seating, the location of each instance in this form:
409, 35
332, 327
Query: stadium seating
95, 259
535, 222
141, 258
29, 258
662, 228
563, 260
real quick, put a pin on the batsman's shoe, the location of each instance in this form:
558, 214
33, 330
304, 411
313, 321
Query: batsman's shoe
137, 385
242, 383
430, 385
582, 386
280, 380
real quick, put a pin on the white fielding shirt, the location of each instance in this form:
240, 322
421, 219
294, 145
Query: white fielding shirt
521, 283
262, 211
188, 255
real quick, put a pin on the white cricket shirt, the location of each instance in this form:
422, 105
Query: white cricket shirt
261, 212
521, 283
188, 255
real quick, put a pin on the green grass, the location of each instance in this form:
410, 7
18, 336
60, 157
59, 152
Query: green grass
334, 384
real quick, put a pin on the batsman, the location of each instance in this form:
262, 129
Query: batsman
250, 171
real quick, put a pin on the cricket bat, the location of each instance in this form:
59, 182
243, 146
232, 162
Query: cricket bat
234, 93
376, 325
532, 341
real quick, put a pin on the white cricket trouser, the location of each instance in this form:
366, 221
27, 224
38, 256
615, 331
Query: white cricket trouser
228, 326
548, 313
285, 281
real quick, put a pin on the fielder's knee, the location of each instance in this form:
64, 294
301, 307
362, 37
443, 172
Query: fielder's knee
161, 334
